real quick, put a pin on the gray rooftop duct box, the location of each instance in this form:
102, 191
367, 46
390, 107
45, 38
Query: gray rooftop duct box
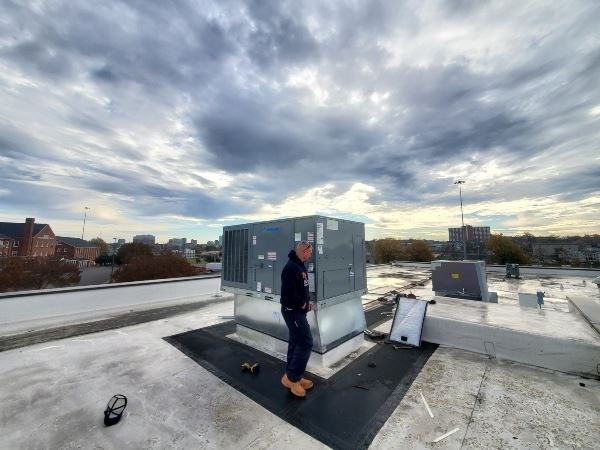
513, 271
254, 255
460, 279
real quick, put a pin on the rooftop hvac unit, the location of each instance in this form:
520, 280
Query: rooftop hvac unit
254, 254
461, 279
512, 271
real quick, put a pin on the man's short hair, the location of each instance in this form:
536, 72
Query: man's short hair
303, 245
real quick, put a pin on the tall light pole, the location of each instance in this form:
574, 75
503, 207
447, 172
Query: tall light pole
462, 217
112, 267
85, 209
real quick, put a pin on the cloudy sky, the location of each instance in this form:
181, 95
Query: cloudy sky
176, 118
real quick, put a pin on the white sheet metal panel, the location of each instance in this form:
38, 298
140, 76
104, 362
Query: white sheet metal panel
407, 325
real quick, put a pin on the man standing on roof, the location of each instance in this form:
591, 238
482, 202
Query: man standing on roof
294, 306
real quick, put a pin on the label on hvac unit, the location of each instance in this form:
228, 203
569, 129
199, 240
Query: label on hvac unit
332, 224
261, 256
319, 233
267, 290
320, 249
297, 237
272, 256
253, 240
311, 282
456, 276
310, 236
258, 286
351, 274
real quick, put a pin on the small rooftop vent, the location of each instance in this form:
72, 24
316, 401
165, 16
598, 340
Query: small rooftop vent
512, 271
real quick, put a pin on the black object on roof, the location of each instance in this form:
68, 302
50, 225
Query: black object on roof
336, 412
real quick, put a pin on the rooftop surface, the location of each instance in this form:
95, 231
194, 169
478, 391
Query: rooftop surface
53, 393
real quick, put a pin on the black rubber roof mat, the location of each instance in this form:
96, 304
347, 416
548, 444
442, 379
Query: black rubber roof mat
345, 411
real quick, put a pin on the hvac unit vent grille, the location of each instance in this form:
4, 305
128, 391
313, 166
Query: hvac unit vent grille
235, 258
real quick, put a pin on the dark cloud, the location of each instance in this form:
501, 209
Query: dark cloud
18, 145
278, 35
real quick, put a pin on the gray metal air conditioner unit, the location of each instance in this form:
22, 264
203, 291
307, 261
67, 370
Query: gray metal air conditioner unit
254, 254
461, 279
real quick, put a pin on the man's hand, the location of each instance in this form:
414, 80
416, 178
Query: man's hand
311, 306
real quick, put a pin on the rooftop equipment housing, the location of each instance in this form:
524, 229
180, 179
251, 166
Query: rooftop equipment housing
254, 254
512, 270
461, 279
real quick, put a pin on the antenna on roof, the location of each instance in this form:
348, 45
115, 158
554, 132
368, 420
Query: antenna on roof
85, 208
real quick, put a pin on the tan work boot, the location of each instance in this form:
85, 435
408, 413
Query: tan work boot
295, 388
306, 384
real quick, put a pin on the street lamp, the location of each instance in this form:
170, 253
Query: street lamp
462, 217
112, 267
85, 208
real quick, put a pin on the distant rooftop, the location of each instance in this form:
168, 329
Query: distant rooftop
15, 230
75, 242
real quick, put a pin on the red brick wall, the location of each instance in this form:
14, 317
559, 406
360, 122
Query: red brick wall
26, 242
43, 243
67, 251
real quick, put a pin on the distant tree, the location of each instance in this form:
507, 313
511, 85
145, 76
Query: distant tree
538, 255
99, 242
211, 257
504, 250
449, 251
419, 251
166, 265
19, 274
12, 274
51, 272
387, 250
128, 252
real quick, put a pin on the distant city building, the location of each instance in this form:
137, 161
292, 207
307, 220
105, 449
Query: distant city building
221, 241
76, 250
179, 244
147, 239
189, 253
120, 242
194, 242
479, 234
27, 239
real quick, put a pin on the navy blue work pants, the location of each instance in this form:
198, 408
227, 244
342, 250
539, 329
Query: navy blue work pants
300, 343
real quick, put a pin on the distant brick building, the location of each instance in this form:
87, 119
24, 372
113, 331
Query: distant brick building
479, 234
27, 239
77, 250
